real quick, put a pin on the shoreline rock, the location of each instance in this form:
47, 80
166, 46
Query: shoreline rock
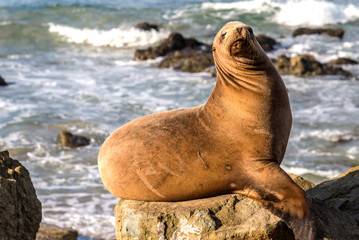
266, 42
21, 211
307, 65
67, 139
333, 32
174, 42
189, 61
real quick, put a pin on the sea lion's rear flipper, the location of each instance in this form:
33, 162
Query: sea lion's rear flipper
271, 186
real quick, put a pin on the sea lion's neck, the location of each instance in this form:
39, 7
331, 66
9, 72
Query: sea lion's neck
241, 88
245, 74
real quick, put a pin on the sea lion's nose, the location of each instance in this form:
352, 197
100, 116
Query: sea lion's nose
239, 29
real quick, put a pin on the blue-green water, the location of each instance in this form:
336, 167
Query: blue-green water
71, 66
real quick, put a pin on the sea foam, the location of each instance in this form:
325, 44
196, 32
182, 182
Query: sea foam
117, 37
315, 13
294, 13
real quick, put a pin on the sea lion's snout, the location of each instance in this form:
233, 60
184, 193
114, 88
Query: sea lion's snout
245, 32
241, 41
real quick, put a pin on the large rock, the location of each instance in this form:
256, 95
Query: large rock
341, 192
333, 32
222, 217
189, 61
20, 210
266, 42
67, 139
306, 65
47, 232
227, 217
174, 42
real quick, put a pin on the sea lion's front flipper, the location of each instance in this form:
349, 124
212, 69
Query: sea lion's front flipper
272, 187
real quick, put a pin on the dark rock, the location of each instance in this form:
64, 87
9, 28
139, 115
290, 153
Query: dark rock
2, 82
145, 26
229, 216
266, 42
188, 61
343, 61
20, 210
333, 32
47, 232
306, 65
174, 42
329, 223
341, 192
67, 139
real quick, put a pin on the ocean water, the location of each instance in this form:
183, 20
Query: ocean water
71, 67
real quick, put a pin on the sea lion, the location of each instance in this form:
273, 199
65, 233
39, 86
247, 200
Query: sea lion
234, 143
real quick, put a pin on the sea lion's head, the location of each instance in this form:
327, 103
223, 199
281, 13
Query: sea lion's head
236, 43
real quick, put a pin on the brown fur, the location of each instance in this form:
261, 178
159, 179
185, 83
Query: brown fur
233, 143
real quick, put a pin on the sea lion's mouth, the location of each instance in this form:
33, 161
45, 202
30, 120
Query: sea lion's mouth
237, 46
238, 41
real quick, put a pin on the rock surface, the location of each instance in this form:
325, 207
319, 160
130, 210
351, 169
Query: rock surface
341, 192
225, 217
56, 233
145, 26
303, 183
174, 42
2, 82
67, 139
306, 65
266, 42
189, 61
333, 32
343, 61
20, 210
222, 217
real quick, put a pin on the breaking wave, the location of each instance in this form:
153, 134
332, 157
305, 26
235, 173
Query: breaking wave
120, 37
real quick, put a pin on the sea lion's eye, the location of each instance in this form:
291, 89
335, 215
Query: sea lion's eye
223, 35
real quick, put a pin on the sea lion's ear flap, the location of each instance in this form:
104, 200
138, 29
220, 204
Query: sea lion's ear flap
213, 49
